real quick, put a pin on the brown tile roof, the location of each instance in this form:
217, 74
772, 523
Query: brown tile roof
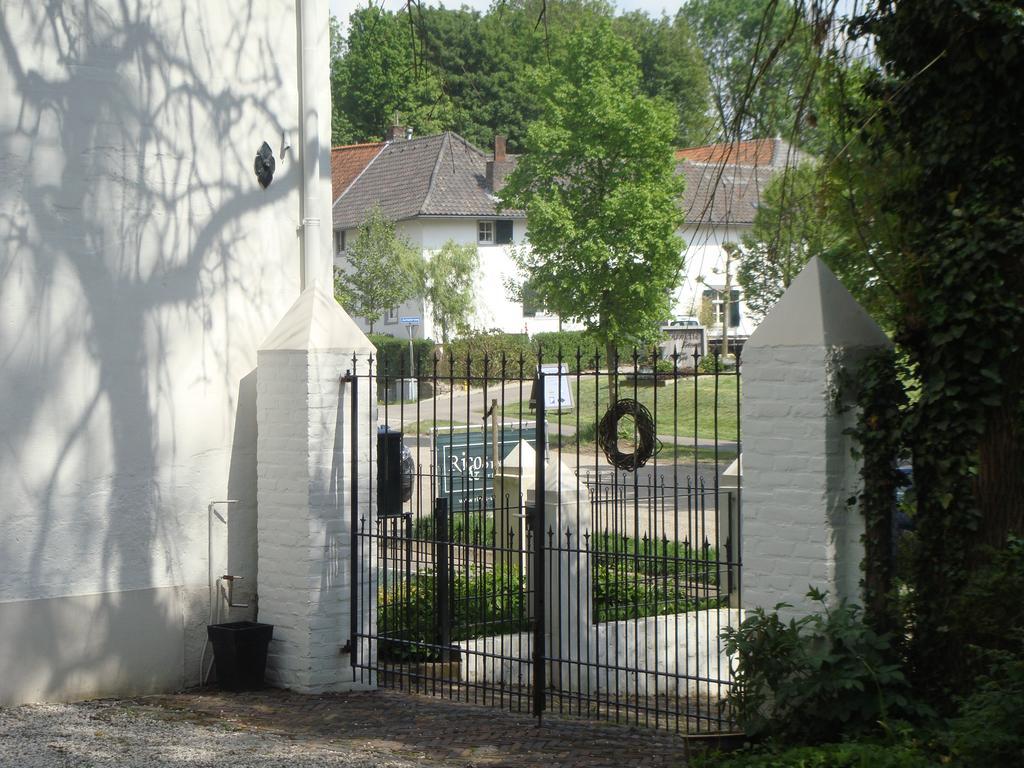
722, 194
761, 152
445, 175
724, 182
441, 175
348, 162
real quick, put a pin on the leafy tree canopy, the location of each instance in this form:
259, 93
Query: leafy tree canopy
762, 59
448, 284
469, 72
672, 66
940, 151
597, 182
384, 270
381, 73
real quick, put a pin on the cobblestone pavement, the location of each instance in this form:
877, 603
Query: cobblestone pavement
426, 731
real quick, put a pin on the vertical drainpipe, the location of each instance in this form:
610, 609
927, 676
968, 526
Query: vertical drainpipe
309, 32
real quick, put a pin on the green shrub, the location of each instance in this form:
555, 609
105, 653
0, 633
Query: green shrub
623, 594
853, 754
483, 603
989, 729
635, 579
817, 678
590, 350
466, 528
990, 606
393, 356
711, 364
515, 349
657, 557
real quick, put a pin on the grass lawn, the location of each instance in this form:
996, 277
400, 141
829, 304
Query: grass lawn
673, 407
424, 426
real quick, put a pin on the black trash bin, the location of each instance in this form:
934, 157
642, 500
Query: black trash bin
240, 653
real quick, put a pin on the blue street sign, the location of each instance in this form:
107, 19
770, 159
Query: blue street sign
409, 320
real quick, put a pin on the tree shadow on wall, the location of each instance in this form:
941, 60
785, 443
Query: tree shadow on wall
126, 147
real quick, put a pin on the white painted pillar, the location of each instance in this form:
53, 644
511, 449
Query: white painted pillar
798, 472
304, 492
513, 480
568, 578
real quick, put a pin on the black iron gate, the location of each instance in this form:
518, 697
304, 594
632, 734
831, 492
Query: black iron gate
570, 540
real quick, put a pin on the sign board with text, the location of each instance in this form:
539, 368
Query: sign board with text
557, 393
463, 463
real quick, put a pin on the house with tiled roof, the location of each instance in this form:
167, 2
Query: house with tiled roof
438, 188
724, 185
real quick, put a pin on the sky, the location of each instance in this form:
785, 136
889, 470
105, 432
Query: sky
342, 8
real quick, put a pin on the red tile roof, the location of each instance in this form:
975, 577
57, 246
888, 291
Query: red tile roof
762, 152
347, 162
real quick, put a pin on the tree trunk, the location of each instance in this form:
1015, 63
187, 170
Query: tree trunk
1000, 481
611, 351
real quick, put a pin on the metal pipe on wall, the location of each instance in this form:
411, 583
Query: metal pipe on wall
309, 33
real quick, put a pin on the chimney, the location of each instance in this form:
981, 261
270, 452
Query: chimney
396, 132
500, 167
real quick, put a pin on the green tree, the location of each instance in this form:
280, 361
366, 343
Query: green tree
383, 270
598, 185
672, 66
383, 72
940, 144
448, 286
457, 69
802, 214
762, 58
341, 128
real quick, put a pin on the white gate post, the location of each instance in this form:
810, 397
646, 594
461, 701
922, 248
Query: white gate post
798, 472
304, 492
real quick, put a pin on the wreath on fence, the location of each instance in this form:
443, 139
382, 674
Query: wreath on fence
608, 435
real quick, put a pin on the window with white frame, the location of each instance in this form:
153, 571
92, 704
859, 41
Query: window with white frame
714, 303
339, 241
485, 232
391, 315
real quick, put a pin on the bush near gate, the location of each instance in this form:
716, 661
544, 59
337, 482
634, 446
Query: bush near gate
816, 678
483, 603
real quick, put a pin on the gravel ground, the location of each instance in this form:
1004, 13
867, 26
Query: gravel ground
115, 733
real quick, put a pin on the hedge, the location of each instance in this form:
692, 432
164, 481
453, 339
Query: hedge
393, 356
549, 344
515, 347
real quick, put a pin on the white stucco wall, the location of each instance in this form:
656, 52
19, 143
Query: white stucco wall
495, 308
140, 266
704, 267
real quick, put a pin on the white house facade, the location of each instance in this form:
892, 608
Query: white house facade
142, 263
724, 185
441, 188
438, 189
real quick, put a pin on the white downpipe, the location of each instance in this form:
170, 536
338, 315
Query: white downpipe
309, 33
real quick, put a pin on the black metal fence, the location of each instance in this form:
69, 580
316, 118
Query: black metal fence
569, 542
